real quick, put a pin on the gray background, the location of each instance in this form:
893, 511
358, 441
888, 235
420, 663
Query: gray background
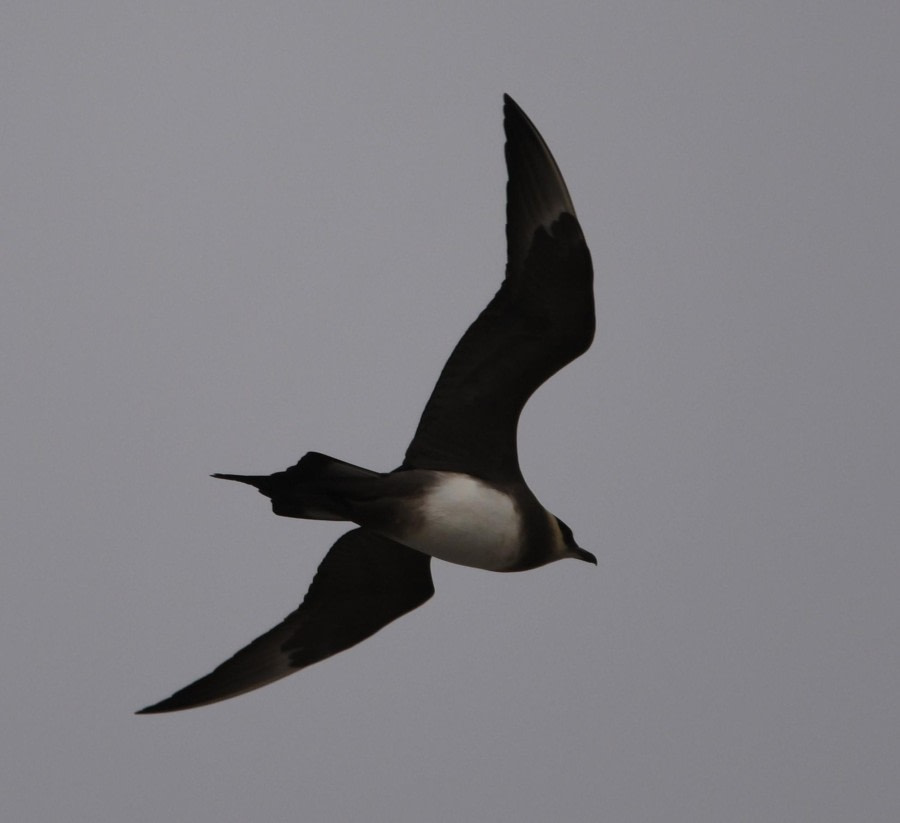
235, 232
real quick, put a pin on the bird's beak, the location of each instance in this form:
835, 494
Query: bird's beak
584, 554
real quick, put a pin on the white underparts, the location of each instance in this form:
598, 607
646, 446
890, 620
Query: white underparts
467, 522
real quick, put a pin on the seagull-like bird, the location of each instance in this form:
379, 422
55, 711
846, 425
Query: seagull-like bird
459, 495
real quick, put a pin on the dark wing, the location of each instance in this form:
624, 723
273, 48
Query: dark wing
541, 319
364, 582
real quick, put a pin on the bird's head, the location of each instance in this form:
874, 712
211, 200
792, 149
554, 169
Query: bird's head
569, 547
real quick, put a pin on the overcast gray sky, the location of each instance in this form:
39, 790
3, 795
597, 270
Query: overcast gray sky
232, 233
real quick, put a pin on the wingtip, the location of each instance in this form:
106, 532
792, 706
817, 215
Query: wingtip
510, 106
167, 705
175, 703
150, 709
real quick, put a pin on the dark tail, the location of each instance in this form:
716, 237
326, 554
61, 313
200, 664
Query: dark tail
311, 489
260, 481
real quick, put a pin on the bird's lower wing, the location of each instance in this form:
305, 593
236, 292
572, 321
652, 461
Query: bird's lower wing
365, 582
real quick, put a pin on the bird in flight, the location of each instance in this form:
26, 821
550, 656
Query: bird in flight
459, 495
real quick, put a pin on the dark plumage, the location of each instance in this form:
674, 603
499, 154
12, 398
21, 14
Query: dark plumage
459, 494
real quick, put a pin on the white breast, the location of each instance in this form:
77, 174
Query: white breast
467, 522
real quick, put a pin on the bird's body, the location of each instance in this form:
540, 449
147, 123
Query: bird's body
459, 495
465, 520
453, 516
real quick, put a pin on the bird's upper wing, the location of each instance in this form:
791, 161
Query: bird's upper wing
541, 319
364, 582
